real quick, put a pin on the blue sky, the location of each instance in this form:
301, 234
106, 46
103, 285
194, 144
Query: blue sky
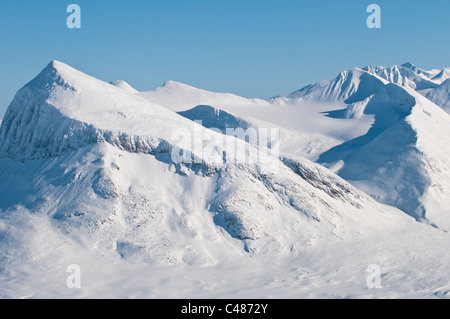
254, 48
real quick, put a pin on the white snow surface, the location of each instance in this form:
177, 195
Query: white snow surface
349, 86
182, 96
441, 95
88, 179
402, 160
124, 86
305, 130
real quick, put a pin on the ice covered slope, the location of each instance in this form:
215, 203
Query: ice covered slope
403, 159
441, 95
348, 86
179, 96
96, 163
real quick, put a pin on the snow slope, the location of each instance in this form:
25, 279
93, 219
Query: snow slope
301, 128
441, 95
61, 110
412, 260
403, 159
405, 75
88, 177
349, 86
97, 161
436, 75
179, 97
433, 84
442, 76
305, 129
306, 144
335, 111
215, 118
124, 86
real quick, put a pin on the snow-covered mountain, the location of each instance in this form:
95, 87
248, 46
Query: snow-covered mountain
349, 86
436, 75
402, 160
97, 162
442, 76
90, 176
221, 110
404, 75
357, 95
441, 95
124, 86
215, 118
178, 96
358, 84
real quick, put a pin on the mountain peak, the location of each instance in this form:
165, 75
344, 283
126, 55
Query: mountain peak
124, 86
349, 86
60, 67
407, 75
59, 73
175, 84
391, 161
58, 64
408, 65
